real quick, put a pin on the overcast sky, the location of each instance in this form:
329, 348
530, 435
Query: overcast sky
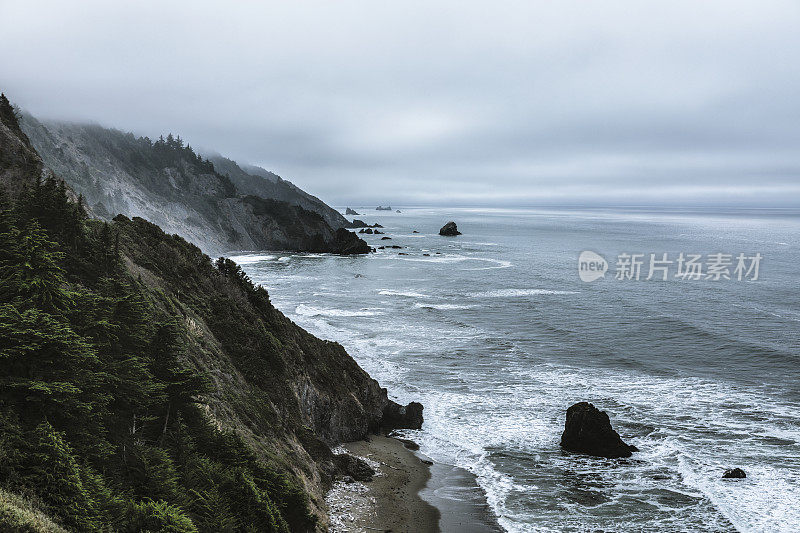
439, 102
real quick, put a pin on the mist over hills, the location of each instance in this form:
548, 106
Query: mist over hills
214, 203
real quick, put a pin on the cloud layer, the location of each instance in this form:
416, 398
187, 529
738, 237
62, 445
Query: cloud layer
446, 102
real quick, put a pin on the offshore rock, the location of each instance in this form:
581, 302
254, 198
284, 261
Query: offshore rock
588, 430
734, 473
349, 211
449, 230
347, 243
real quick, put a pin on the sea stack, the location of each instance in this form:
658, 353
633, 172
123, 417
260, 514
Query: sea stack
349, 211
734, 473
588, 430
449, 230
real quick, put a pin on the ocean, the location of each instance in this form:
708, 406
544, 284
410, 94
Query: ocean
495, 332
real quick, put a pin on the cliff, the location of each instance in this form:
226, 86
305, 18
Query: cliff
144, 386
167, 183
256, 181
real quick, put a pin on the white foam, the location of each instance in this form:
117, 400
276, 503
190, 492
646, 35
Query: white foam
407, 294
307, 310
442, 307
251, 258
517, 293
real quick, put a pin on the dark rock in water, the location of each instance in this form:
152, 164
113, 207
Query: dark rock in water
356, 223
426, 255
347, 243
401, 253
449, 230
588, 430
396, 416
376, 232
376, 225
368, 230
426, 462
415, 231
398, 211
354, 467
349, 211
734, 473
386, 238
381, 247
362, 230
381, 208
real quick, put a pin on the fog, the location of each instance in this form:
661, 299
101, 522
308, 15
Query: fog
460, 103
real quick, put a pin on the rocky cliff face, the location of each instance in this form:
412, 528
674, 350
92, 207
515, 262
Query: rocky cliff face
166, 183
256, 181
286, 394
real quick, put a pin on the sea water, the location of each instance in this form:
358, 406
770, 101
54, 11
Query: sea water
496, 334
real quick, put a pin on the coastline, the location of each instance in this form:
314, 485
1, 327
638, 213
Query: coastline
408, 494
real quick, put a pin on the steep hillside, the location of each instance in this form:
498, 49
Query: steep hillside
257, 181
144, 387
167, 183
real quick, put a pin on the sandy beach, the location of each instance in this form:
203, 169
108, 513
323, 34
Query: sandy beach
407, 495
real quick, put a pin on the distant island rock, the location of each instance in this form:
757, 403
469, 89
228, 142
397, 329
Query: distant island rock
349, 211
588, 430
381, 208
449, 230
398, 211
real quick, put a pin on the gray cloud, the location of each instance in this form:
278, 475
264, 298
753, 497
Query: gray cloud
420, 102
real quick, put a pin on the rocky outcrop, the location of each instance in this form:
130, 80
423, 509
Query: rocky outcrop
396, 416
381, 208
588, 430
734, 473
349, 211
347, 243
449, 230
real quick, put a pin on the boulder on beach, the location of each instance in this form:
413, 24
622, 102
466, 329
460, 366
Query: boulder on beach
588, 430
449, 230
354, 467
349, 211
396, 416
734, 473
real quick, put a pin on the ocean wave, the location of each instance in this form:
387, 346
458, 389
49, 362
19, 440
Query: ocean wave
251, 259
407, 294
307, 310
516, 293
442, 307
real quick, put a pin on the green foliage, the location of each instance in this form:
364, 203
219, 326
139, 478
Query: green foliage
98, 400
157, 516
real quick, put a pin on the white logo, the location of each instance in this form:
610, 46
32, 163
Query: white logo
591, 266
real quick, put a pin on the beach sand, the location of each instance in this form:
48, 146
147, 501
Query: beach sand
407, 495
